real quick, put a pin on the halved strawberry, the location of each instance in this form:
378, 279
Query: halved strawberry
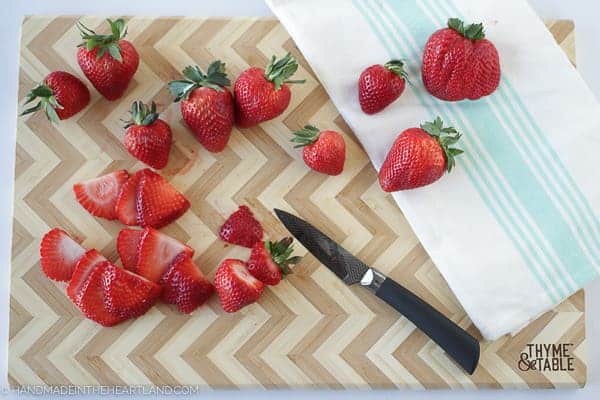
158, 202
241, 228
126, 294
184, 285
83, 269
99, 195
59, 254
156, 251
235, 286
125, 207
270, 260
127, 247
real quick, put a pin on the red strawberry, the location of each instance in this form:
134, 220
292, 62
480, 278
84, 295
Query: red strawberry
158, 203
323, 152
83, 269
459, 63
270, 260
127, 247
206, 106
379, 85
241, 228
263, 95
126, 207
59, 255
61, 96
99, 195
235, 286
156, 252
419, 156
126, 294
108, 61
147, 137
185, 286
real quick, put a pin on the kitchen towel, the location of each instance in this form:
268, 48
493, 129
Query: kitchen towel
514, 228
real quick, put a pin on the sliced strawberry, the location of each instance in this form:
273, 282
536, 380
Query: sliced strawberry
235, 286
158, 202
83, 269
99, 195
127, 247
125, 208
156, 251
269, 261
184, 285
126, 294
59, 254
241, 228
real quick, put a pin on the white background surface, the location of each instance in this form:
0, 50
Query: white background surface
583, 12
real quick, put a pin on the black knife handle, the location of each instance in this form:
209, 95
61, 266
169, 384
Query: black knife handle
459, 345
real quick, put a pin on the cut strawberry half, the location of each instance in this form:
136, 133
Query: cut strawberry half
99, 195
83, 269
241, 228
158, 202
156, 251
59, 254
125, 208
184, 285
127, 247
126, 294
235, 285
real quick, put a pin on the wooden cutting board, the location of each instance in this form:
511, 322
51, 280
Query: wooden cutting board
309, 331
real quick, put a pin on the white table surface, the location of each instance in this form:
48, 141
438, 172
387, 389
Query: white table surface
583, 12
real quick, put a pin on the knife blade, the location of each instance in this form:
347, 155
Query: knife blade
458, 343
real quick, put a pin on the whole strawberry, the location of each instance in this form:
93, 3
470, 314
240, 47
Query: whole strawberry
206, 105
61, 95
235, 286
379, 85
108, 61
459, 63
261, 95
419, 156
147, 137
269, 261
324, 151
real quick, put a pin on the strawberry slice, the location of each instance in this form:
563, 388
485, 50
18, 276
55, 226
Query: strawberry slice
235, 286
241, 228
184, 285
83, 269
127, 247
126, 294
59, 254
125, 208
99, 195
156, 251
158, 202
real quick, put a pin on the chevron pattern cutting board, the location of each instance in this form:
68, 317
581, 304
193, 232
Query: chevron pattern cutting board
309, 331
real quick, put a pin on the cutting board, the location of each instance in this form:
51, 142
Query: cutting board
309, 331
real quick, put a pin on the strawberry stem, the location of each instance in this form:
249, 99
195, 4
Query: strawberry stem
280, 252
104, 43
306, 136
141, 114
445, 137
471, 31
47, 102
215, 78
278, 71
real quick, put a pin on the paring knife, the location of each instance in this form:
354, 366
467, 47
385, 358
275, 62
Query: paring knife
459, 345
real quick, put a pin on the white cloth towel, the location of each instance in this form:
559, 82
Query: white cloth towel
514, 229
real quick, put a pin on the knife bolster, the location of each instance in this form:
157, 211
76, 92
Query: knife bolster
372, 280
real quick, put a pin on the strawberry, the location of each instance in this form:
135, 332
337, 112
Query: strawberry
419, 156
108, 61
241, 228
235, 286
156, 251
99, 195
270, 260
158, 203
126, 207
324, 151
379, 85
147, 137
61, 95
127, 247
184, 285
59, 255
206, 106
459, 63
263, 95
83, 269
126, 294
